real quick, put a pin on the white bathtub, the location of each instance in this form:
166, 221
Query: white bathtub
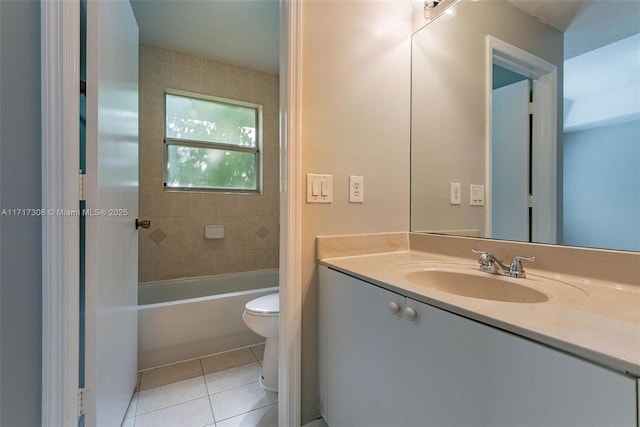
187, 318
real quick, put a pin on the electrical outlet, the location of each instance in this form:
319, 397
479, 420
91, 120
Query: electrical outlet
356, 189
456, 197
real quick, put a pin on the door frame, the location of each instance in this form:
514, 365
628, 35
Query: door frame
60, 76
60, 117
291, 191
544, 133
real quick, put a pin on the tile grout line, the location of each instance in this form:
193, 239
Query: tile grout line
173, 405
199, 358
251, 410
204, 377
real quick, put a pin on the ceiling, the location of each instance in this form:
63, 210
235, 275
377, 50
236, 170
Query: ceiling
246, 32
555, 13
240, 32
587, 24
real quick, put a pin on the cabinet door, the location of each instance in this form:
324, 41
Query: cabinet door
362, 357
465, 373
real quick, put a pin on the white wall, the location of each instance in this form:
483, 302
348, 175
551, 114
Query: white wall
20, 241
355, 121
603, 86
601, 196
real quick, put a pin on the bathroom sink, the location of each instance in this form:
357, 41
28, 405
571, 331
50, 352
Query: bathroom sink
482, 285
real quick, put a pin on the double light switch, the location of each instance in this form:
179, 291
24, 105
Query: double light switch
319, 188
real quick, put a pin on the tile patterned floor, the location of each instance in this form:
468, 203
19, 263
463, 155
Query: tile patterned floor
220, 390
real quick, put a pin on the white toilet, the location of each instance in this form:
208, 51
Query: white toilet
261, 316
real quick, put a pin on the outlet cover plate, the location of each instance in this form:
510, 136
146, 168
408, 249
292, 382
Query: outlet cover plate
356, 189
456, 193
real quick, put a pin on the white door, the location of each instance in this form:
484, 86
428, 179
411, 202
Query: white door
510, 158
111, 191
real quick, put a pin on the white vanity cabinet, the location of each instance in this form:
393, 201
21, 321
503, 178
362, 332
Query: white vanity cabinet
386, 367
362, 349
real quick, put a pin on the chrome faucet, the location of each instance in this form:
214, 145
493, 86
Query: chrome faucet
491, 264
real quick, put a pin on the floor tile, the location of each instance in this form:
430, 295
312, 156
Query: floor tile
263, 417
239, 400
172, 394
232, 378
169, 374
258, 351
230, 359
196, 413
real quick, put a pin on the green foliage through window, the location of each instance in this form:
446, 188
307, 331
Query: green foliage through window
211, 144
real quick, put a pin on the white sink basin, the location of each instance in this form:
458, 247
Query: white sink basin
491, 287
468, 281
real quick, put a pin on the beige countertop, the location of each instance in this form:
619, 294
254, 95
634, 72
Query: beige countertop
590, 318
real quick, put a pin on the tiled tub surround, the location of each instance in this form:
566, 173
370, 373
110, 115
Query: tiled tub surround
603, 327
174, 246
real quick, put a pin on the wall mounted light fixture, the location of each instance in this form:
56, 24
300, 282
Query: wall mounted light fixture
433, 8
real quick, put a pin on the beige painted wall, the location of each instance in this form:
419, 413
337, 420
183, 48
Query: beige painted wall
355, 121
175, 246
449, 110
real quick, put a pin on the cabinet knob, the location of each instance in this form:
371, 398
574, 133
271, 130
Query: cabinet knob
410, 314
394, 307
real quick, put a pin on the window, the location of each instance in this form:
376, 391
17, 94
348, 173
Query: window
211, 144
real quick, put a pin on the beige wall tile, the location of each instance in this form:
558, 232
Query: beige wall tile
188, 60
182, 216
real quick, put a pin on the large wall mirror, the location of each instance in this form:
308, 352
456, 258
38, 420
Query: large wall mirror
526, 122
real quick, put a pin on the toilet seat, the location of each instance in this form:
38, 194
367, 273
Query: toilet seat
268, 305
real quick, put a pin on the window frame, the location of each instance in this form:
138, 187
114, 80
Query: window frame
257, 150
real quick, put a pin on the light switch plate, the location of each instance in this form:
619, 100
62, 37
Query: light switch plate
476, 195
319, 188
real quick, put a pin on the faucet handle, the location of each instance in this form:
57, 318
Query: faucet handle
487, 261
485, 257
516, 269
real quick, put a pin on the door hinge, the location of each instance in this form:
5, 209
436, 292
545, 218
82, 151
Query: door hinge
530, 200
81, 186
531, 107
81, 401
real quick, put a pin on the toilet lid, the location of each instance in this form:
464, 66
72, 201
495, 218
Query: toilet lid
268, 304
